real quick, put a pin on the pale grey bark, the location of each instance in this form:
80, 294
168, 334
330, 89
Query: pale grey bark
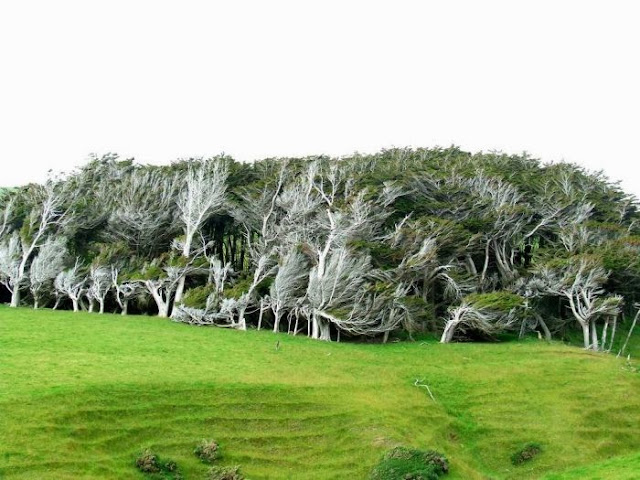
45, 267
203, 195
71, 283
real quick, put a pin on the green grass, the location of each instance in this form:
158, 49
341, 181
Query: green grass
82, 394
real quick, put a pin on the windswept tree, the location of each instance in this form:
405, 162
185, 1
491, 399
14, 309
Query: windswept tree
47, 264
486, 314
125, 290
98, 286
289, 285
45, 215
161, 283
202, 196
143, 210
581, 284
70, 283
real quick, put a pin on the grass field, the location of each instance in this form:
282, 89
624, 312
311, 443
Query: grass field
81, 394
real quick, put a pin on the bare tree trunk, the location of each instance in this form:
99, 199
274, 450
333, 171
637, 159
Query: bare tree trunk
125, 307
15, 297
585, 335
276, 321
603, 340
543, 325
261, 313
325, 330
314, 327
471, 266
295, 327
594, 336
180, 289
76, 305
35, 302
101, 305
613, 333
242, 322
57, 304
163, 309
449, 330
486, 264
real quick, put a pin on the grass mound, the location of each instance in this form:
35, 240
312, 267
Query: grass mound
411, 464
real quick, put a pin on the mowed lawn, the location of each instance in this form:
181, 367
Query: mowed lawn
81, 394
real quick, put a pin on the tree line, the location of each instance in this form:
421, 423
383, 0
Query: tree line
404, 240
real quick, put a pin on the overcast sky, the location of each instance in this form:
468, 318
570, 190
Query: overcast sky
162, 80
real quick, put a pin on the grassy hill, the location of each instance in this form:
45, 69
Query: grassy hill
81, 394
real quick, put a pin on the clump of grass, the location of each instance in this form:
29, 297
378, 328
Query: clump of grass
410, 464
526, 453
207, 451
225, 473
152, 465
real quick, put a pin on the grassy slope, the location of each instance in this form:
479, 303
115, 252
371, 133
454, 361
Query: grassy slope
80, 394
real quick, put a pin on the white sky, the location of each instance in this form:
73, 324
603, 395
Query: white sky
163, 80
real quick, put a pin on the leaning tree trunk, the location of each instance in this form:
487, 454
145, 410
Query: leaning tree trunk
449, 330
633, 325
543, 325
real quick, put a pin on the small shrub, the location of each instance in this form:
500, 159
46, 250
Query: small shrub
403, 463
149, 463
526, 453
225, 473
207, 451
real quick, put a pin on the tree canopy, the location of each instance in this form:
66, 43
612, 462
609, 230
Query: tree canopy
403, 240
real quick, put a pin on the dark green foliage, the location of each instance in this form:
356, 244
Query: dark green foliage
499, 301
403, 463
207, 451
156, 468
526, 453
423, 314
225, 473
197, 297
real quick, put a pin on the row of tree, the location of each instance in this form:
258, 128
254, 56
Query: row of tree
402, 240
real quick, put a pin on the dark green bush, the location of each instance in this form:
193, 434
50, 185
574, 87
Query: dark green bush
526, 453
403, 463
225, 473
207, 451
